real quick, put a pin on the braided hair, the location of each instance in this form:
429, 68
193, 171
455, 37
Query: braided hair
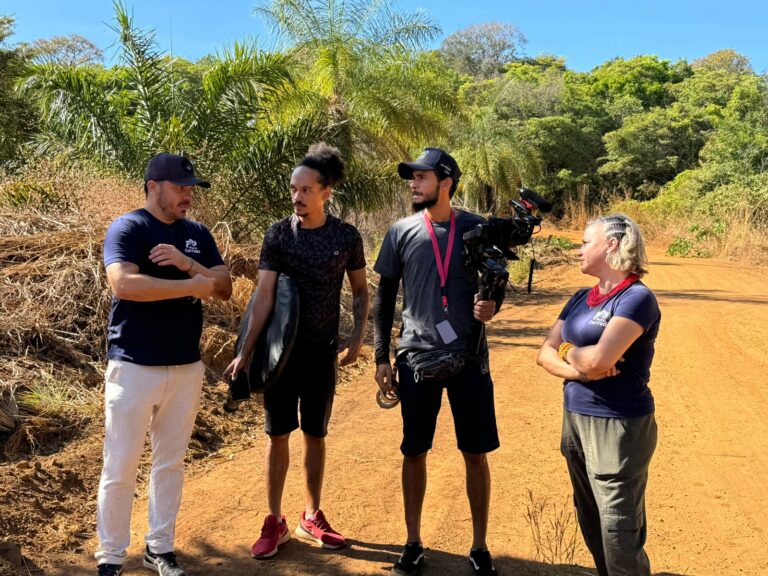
630, 255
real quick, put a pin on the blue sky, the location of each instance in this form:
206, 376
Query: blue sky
585, 32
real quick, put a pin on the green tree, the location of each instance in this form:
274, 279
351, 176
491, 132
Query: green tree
220, 116
532, 88
727, 60
482, 50
646, 78
739, 148
708, 90
16, 116
568, 154
73, 50
651, 148
494, 157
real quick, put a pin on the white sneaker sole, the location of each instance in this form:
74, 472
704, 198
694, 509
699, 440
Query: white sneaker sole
283, 539
301, 533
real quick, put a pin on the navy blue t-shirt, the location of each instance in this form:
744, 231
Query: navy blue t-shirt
165, 332
627, 394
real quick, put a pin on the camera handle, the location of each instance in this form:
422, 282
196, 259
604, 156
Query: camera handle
485, 294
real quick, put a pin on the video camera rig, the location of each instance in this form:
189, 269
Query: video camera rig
488, 247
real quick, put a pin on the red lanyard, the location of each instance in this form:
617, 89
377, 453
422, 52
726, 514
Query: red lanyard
442, 267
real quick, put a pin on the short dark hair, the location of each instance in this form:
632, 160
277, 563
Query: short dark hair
327, 161
454, 183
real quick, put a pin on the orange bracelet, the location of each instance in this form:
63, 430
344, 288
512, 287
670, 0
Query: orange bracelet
563, 350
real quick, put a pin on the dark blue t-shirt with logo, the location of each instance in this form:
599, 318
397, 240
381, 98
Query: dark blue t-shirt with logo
627, 394
165, 332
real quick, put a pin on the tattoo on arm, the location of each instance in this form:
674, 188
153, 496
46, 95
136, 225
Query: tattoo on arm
360, 312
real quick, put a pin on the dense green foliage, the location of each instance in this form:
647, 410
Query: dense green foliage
667, 137
16, 117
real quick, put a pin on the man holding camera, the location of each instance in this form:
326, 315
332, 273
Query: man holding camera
442, 345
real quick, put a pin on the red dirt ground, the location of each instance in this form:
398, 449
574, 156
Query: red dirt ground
707, 506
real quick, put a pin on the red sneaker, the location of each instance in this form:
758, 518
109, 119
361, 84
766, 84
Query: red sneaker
320, 531
273, 533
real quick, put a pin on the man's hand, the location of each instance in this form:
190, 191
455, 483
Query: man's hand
384, 378
352, 346
202, 286
235, 367
484, 309
169, 255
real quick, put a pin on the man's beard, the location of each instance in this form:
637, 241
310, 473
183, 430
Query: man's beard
419, 206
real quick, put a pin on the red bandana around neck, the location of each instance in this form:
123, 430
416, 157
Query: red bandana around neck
594, 298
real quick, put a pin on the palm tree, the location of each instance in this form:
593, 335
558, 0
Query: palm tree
494, 158
354, 62
223, 118
126, 114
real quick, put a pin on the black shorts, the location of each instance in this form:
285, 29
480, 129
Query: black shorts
307, 385
470, 393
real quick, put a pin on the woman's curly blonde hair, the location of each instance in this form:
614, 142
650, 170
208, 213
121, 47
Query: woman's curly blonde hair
630, 255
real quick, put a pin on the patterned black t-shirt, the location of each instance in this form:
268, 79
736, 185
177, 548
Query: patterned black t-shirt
316, 259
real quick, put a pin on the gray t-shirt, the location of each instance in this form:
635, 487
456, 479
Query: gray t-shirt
406, 254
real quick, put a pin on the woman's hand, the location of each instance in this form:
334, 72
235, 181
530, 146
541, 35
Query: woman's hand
588, 377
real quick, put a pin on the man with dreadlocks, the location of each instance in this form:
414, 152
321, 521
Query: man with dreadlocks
315, 249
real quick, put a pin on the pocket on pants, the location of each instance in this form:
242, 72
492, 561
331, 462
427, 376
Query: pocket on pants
112, 373
622, 522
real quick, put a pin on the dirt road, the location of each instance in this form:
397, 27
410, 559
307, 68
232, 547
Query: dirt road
707, 505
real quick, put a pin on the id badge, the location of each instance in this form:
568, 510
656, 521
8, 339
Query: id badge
446, 331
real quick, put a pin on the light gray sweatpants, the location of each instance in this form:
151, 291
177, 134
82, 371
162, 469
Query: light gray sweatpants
608, 461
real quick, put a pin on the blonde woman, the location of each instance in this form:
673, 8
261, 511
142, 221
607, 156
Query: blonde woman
602, 345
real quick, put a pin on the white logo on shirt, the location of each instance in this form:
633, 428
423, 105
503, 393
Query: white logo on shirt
191, 247
601, 318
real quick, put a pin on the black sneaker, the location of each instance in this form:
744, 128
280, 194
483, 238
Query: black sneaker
411, 560
110, 569
163, 564
480, 560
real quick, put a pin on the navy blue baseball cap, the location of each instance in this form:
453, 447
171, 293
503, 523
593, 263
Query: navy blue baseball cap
174, 168
431, 159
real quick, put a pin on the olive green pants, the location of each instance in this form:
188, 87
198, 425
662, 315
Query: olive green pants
608, 461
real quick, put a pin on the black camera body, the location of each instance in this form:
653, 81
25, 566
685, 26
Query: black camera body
488, 247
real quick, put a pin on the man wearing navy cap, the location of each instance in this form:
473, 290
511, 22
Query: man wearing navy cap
160, 265
441, 346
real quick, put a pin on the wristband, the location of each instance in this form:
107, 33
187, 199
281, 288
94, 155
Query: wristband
563, 350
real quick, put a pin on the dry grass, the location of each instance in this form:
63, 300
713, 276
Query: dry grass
742, 240
577, 211
54, 304
54, 295
554, 530
55, 188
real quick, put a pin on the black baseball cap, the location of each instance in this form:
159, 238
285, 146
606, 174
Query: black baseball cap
431, 159
174, 168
